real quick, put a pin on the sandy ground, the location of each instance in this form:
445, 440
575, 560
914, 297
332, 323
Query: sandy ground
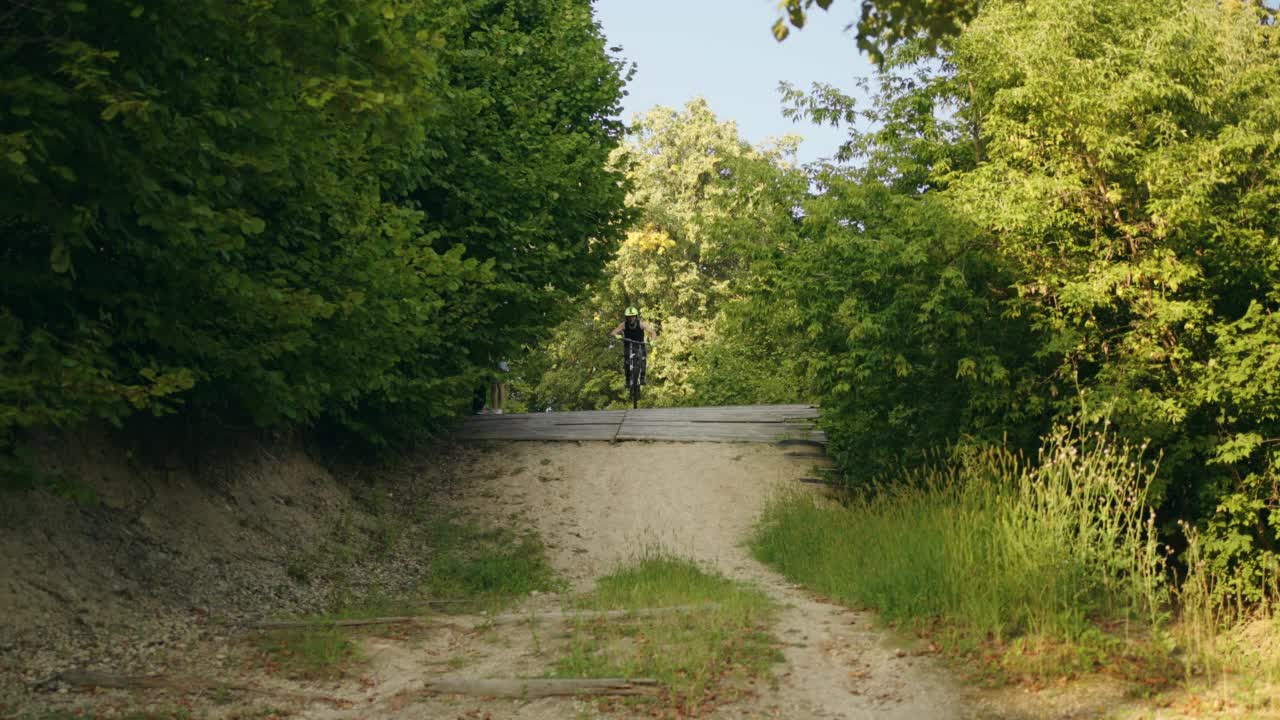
597, 505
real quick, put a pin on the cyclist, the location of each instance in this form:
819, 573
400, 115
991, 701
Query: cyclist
633, 332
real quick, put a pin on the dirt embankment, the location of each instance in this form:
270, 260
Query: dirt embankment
174, 548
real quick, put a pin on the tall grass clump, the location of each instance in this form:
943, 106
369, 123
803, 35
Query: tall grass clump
1221, 628
990, 544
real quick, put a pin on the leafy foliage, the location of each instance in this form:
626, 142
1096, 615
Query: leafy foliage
884, 23
290, 213
1131, 164
892, 305
705, 200
1095, 227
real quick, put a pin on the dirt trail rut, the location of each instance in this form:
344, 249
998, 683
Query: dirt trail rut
598, 504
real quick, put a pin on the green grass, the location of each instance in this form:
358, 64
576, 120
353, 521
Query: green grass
1221, 631
485, 567
317, 651
469, 566
702, 657
1058, 555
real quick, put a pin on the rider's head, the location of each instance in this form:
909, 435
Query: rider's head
632, 315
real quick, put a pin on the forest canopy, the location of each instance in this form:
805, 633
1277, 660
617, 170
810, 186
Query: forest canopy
335, 213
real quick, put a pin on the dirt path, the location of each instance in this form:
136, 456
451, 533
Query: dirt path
595, 505
598, 504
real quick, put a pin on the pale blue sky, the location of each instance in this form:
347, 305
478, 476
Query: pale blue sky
724, 51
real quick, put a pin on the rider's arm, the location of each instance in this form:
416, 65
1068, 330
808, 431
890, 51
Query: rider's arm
648, 329
617, 332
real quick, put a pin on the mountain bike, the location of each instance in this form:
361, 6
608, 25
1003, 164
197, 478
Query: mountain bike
635, 358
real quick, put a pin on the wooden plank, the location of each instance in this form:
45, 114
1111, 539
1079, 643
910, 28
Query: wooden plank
597, 433
708, 432
726, 411
607, 415
767, 432
739, 423
718, 421
715, 437
731, 413
542, 687
757, 409
744, 413
740, 428
537, 421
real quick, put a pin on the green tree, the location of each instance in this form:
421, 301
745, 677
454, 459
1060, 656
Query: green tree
884, 23
888, 307
1116, 181
702, 197
1119, 261
1130, 163
287, 213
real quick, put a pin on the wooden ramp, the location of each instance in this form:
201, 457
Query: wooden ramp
736, 423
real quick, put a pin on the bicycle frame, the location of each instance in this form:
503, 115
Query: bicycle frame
635, 359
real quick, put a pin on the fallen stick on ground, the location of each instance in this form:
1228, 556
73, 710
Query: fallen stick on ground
394, 620
98, 678
524, 687
517, 618
473, 621
80, 678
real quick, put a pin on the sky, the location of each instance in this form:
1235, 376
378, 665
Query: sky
724, 51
